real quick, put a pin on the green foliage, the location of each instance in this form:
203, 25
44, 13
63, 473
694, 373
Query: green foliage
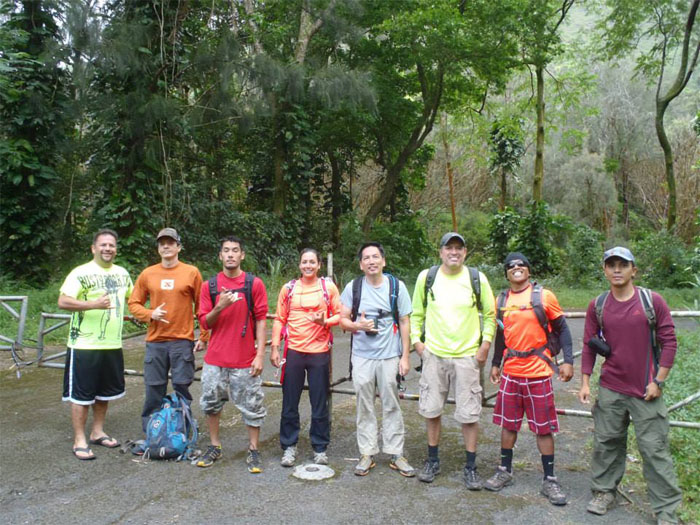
582, 263
664, 261
503, 230
534, 238
531, 233
506, 144
33, 126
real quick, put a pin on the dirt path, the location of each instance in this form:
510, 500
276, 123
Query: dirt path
42, 482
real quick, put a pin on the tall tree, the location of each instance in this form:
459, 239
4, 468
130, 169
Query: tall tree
668, 26
428, 55
33, 126
507, 149
540, 43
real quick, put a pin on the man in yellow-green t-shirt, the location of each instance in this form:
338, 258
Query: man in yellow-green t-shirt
96, 293
453, 346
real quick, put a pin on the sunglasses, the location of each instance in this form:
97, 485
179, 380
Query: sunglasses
515, 264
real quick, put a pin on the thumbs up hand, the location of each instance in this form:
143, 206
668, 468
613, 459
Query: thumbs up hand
366, 325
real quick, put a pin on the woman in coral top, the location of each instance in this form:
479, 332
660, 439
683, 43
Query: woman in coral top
307, 308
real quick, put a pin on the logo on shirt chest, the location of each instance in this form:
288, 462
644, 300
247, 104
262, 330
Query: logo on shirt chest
167, 284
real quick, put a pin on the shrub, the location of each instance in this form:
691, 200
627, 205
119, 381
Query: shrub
664, 261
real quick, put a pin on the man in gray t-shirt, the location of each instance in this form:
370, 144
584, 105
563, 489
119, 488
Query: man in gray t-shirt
380, 352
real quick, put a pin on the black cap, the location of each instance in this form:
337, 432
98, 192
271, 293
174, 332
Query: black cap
516, 256
449, 236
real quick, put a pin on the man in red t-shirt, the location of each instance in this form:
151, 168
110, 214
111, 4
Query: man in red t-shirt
631, 382
234, 359
525, 378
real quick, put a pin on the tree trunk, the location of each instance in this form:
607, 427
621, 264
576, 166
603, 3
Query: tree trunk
685, 71
336, 199
668, 163
431, 104
504, 190
539, 149
624, 175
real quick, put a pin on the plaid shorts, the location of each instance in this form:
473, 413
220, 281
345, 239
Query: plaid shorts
530, 395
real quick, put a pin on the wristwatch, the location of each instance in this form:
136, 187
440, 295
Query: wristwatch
659, 383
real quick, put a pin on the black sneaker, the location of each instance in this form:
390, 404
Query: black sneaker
210, 456
430, 470
472, 479
253, 461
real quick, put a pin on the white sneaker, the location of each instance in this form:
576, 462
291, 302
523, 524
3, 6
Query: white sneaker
289, 456
320, 458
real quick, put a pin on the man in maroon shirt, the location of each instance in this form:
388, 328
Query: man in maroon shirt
631, 384
234, 358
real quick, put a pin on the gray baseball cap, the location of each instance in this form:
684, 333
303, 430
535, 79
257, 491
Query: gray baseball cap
168, 232
619, 251
449, 236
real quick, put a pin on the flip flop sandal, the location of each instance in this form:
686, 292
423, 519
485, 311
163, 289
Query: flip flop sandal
86, 450
101, 442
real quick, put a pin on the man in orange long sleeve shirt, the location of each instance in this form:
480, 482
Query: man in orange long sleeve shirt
172, 288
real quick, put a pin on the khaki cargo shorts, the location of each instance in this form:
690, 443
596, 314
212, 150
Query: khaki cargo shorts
438, 374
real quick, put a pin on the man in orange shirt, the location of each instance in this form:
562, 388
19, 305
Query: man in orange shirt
531, 329
172, 288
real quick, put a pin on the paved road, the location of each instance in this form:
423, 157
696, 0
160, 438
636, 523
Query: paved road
41, 482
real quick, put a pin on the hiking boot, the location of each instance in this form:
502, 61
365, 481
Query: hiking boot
430, 470
401, 464
210, 456
253, 461
321, 458
502, 478
364, 465
551, 489
472, 479
601, 503
289, 457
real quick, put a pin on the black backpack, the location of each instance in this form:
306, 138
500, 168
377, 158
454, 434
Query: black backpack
428, 289
553, 342
648, 304
247, 293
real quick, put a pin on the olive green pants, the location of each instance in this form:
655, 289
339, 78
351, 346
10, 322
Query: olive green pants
611, 416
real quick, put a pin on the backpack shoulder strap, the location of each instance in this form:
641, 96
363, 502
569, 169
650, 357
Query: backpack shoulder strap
500, 305
324, 289
213, 289
394, 297
248, 291
538, 307
429, 281
648, 304
290, 291
599, 306
356, 296
248, 294
476, 285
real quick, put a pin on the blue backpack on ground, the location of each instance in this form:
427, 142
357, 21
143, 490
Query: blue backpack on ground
172, 431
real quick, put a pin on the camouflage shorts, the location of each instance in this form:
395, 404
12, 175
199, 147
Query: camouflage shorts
236, 384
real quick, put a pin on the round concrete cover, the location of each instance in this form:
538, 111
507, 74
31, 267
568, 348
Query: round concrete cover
313, 472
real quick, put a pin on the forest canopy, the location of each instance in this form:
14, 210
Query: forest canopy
555, 127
